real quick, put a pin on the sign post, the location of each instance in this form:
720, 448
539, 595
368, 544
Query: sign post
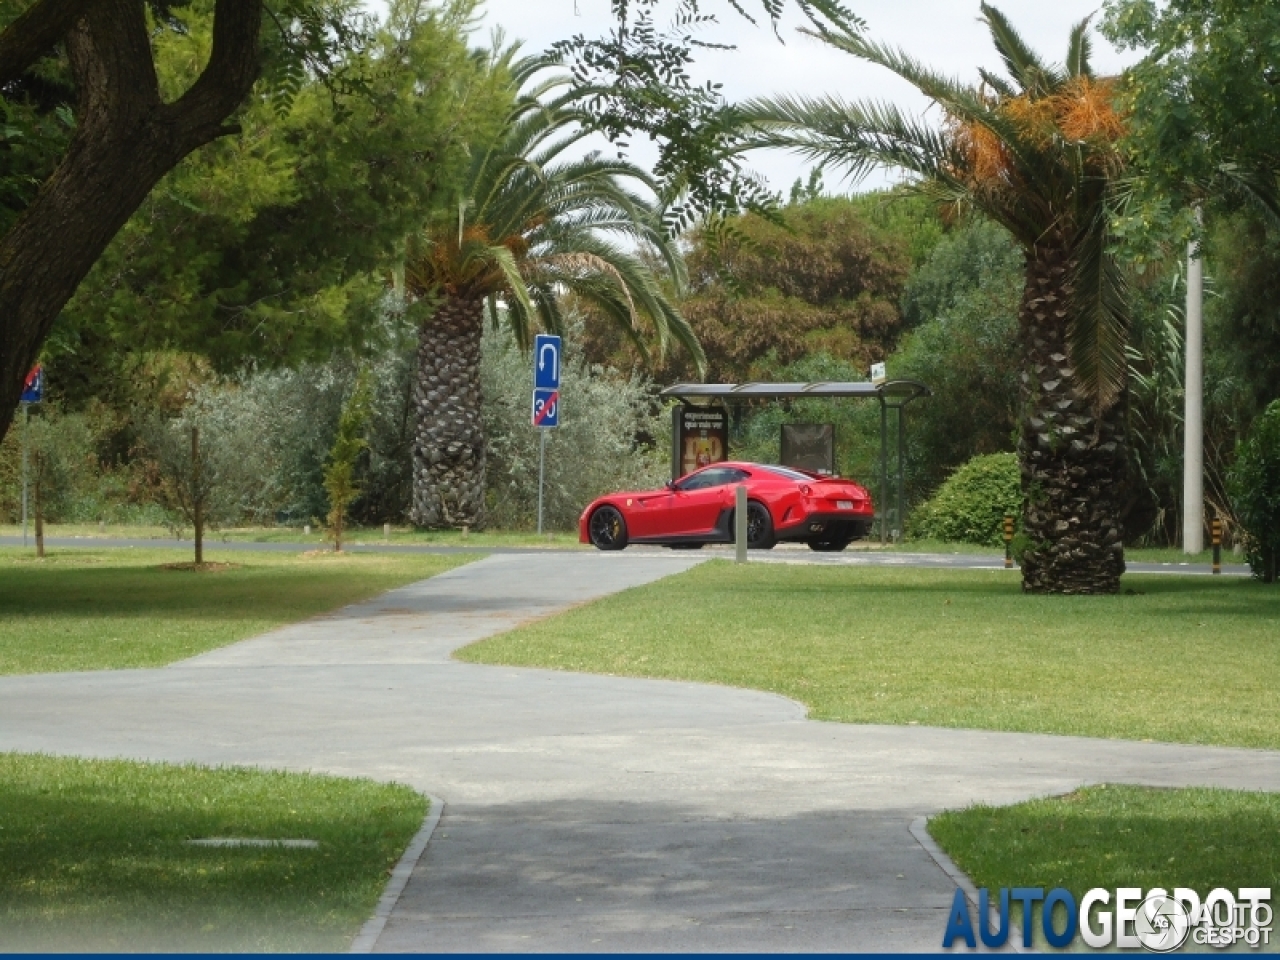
32, 392
546, 401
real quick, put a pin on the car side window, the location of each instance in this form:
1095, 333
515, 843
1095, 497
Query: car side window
713, 477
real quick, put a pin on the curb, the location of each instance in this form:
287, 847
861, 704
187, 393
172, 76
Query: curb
373, 927
919, 831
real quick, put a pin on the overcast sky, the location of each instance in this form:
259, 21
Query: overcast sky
943, 33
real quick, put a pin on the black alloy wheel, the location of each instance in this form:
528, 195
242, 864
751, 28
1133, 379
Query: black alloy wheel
607, 529
759, 527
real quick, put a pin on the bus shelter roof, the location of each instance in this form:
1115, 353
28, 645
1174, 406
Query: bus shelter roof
902, 391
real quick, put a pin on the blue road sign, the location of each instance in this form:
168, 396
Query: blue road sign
546, 362
546, 408
33, 388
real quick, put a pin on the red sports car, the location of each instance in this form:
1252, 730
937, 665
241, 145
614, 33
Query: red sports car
827, 513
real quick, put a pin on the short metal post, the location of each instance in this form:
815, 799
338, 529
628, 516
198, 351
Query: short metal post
1008, 542
1217, 545
740, 522
542, 470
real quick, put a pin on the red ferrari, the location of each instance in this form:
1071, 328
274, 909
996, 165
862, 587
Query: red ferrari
827, 513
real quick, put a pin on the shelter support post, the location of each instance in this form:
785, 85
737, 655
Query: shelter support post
901, 518
884, 472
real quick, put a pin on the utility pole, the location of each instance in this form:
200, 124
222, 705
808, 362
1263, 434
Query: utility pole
1193, 418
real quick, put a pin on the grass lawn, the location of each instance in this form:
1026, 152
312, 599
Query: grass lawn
1110, 836
1184, 659
94, 855
405, 536
86, 609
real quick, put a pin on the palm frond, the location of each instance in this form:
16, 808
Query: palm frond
999, 85
520, 306
860, 137
1080, 50
1033, 75
1099, 327
537, 223
958, 98
1259, 186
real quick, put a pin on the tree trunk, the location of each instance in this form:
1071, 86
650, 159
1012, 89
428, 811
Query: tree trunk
1074, 459
126, 139
448, 444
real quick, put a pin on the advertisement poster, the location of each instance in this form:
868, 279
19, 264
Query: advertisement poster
809, 446
700, 437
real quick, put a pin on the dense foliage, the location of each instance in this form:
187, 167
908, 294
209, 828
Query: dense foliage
274, 245
964, 300
1205, 100
340, 469
825, 277
1255, 488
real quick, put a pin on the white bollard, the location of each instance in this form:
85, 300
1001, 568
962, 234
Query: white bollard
740, 522
306, 529
386, 531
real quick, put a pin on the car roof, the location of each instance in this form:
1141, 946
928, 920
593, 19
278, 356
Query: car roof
747, 465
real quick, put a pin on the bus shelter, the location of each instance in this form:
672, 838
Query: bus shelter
891, 395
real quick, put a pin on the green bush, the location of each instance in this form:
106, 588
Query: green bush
1255, 491
64, 447
971, 505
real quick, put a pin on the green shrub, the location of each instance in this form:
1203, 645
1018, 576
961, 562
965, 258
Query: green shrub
1255, 491
971, 505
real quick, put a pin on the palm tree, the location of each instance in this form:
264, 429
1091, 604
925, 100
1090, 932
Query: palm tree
533, 224
1036, 152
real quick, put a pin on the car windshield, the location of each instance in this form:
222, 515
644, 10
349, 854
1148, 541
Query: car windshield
785, 472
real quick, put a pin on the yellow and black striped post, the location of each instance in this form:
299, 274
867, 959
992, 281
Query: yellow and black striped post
1008, 542
1217, 545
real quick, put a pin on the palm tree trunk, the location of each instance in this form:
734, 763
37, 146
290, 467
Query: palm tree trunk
449, 445
1074, 460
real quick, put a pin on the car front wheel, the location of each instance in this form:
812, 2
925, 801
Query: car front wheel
607, 529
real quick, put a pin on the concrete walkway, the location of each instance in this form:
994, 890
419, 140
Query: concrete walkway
586, 812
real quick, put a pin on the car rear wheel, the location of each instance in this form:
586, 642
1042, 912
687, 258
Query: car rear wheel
607, 529
759, 527
827, 546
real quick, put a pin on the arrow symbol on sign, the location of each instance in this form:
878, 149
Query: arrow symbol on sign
555, 360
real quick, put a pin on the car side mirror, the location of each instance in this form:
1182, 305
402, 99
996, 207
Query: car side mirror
670, 485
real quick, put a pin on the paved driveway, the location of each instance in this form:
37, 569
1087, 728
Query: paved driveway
585, 812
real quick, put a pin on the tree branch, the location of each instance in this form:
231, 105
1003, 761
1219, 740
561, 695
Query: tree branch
34, 33
229, 76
